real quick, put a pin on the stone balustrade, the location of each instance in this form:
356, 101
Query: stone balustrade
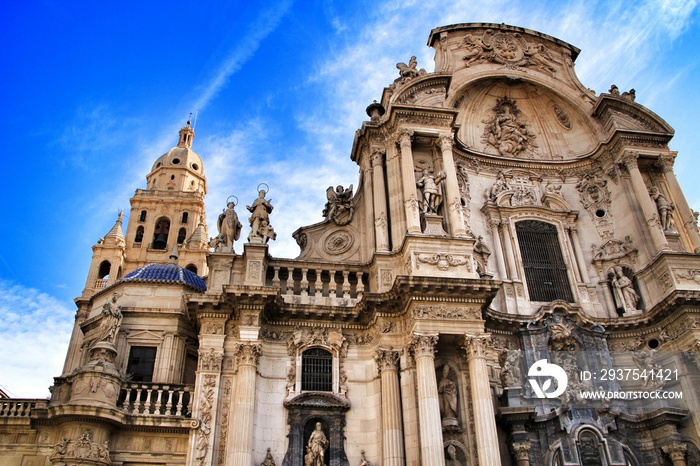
100, 283
20, 408
150, 399
325, 284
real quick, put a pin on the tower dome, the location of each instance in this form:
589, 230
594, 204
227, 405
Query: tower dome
179, 169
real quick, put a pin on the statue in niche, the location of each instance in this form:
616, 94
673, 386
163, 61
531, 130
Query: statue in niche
664, 207
363, 460
447, 391
431, 190
506, 132
260, 229
339, 207
229, 227
111, 320
451, 459
626, 297
588, 449
316, 448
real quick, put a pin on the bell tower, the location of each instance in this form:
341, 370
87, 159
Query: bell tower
170, 211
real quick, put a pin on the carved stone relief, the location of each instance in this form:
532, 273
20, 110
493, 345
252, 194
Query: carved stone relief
443, 261
595, 197
465, 196
562, 116
338, 242
210, 360
81, 451
612, 252
203, 423
508, 49
447, 313
507, 131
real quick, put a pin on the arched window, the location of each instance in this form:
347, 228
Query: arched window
317, 370
142, 217
105, 268
545, 269
160, 235
139, 235
185, 217
181, 236
192, 268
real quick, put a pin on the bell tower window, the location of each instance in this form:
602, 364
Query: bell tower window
185, 217
105, 268
142, 217
160, 236
181, 235
139, 235
545, 269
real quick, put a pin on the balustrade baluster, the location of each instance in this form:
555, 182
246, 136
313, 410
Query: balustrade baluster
158, 402
137, 401
346, 284
148, 405
360, 289
304, 285
169, 404
276, 277
181, 396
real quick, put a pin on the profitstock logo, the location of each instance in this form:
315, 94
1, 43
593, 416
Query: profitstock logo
542, 368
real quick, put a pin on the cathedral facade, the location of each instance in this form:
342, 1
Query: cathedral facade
515, 280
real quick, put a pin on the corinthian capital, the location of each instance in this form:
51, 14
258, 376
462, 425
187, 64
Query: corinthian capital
521, 451
446, 141
387, 360
665, 161
405, 137
675, 450
248, 353
476, 345
629, 160
378, 154
423, 346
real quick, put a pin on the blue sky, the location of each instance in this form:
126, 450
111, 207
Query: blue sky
94, 92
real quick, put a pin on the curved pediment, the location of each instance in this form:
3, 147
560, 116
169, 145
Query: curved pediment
523, 120
318, 400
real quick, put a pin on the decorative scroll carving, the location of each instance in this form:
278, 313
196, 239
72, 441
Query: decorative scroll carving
511, 374
270, 334
562, 116
595, 197
508, 49
224, 422
613, 251
444, 261
81, 451
213, 328
206, 405
441, 312
210, 360
507, 132
465, 196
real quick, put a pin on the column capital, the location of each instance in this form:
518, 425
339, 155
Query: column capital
521, 451
405, 136
676, 451
476, 345
210, 359
423, 345
247, 353
387, 360
446, 141
665, 161
378, 154
629, 159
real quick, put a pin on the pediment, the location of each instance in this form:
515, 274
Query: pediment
324, 400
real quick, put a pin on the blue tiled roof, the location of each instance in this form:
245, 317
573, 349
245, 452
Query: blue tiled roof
166, 273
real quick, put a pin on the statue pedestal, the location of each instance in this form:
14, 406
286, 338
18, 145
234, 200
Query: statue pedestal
98, 382
255, 255
432, 225
450, 422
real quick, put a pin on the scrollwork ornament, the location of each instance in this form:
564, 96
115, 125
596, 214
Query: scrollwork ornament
629, 160
248, 353
423, 346
476, 345
676, 451
387, 360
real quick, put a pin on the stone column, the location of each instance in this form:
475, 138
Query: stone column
521, 451
482, 403
392, 426
665, 163
205, 402
381, 219
409, 409
676, 451
498, 249
453, 201
651, 216
247, 355
408, 175
510, 247
580, 262
423, 349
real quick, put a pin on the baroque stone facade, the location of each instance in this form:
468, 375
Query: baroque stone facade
515, 241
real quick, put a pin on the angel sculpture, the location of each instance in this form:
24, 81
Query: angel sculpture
411, 70
339, 207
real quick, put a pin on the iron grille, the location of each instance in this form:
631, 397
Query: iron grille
545, 270
317, 370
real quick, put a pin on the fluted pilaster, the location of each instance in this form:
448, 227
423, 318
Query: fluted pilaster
452, 196
392, 422
381, 221
409, 182
247, 355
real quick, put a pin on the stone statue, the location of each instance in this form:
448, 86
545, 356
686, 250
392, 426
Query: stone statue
111, 320
506, 132
625, 296
447, 391
229, 227
451, 459
269, 461
260, 229
499, 186
339, 207
431, 190
664, 207
316, 448
614, 90
411, 70
510, 368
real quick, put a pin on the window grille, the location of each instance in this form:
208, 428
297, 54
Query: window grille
142, 360
317, 370
545, 270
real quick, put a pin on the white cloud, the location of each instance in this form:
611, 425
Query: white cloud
35, 330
